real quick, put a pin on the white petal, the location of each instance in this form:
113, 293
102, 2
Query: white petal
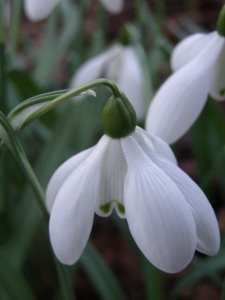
158, 145
73, 211
181, 98
217, 89
113, 171
205, 220
158, 216
61, 174
188, 49
37, 10
94, 67
113, 6
126, 71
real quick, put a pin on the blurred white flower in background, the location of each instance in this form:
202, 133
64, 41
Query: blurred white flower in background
121, 65
6, 13
198, 63
37, 10
167, 213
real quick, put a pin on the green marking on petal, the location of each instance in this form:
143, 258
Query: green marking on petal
121, 208
222, 92
105, 208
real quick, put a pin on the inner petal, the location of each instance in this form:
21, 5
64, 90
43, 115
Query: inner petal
113, 172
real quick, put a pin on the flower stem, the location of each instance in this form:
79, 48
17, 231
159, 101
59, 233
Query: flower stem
154, 288
66, 288
3, 169
58, 99
2, 60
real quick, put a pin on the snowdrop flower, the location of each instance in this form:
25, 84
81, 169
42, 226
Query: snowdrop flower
121, 65
136, 174
37, 10
198, 63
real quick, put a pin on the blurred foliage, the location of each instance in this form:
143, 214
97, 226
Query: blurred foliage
41, 57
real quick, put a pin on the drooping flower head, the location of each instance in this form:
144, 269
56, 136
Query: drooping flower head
120, 64
38, 10
198, 63
136, 174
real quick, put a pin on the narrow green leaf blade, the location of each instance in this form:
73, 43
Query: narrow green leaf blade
100, 274
14, 283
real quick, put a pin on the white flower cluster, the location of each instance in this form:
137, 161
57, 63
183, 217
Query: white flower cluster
38, 10
168, 215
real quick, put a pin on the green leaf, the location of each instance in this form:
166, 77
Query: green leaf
13, 282
203, 268
100, 274
24, 83
55, 44
208, 145
153, 279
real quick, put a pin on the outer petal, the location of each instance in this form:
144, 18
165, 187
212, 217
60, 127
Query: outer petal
158, 216
95, 67
126, 71
37, 10
114, 6
181, 98
188, 49
113, 172
205, 219
61, 174
204, 216
73, 211
217, 89
158, 145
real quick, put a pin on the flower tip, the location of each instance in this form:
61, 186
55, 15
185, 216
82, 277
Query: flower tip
220, 27
90, 93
